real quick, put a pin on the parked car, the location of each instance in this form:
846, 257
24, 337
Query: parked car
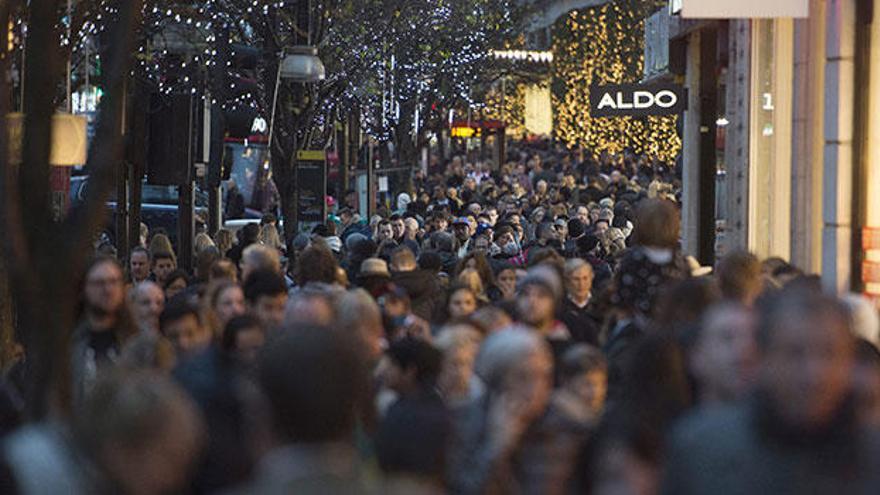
158, 207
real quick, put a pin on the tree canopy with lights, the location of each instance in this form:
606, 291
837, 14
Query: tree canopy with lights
605, 45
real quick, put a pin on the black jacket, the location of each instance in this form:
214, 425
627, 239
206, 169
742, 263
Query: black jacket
424, 290
583, 323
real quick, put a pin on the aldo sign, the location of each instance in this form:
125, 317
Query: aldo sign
637, 100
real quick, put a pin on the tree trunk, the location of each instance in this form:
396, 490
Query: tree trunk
46, 259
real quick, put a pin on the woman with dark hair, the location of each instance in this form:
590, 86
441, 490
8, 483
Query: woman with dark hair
243, 337
461, 302
176, 283
644, 272
478, 261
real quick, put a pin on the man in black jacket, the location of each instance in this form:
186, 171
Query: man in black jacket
577, 310
422, 286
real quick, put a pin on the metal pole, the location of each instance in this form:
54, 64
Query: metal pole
371, 188
214, 206
70, 56
274, 106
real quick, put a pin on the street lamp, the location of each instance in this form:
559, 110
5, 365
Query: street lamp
301, 64
298, 64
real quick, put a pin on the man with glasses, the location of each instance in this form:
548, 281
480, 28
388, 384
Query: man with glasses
104, 326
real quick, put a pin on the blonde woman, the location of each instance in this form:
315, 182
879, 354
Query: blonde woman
224, 239
269, 237
459, 344
201, 242
471, 278
160, 243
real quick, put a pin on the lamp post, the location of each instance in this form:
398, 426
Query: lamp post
296, 64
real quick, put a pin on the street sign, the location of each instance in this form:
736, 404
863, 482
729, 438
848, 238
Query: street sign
637, 100
311, 186
311, 155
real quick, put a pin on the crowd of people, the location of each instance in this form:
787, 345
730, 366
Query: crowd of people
531, 327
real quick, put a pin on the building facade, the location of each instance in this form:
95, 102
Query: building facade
782, 138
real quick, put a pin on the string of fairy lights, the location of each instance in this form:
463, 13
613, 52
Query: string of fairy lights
391, 59
603, 45
381, 55
599, 45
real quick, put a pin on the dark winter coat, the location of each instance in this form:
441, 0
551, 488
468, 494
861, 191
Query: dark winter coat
424, 289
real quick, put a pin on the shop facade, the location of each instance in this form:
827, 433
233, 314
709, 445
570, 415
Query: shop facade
785, 119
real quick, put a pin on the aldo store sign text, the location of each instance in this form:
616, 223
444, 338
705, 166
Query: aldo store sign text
637, 100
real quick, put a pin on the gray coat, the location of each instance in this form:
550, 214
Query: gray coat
734, 450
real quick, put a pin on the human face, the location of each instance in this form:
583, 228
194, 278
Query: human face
175, 288
139, 266
507, 282
536, 305
561, 231
411, 229
462, 303
725, 357
583, 214
462, 231
386, 231
530, 383
806, 368
248, 343
481, 242
592, 388
148, 303
345, 218
615, 177
541, 187
539, 216
580, 282
230, 304
601, 227
458, 369
104, 292
270, 309
398, 228
187, 335
504, 239
162, 268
